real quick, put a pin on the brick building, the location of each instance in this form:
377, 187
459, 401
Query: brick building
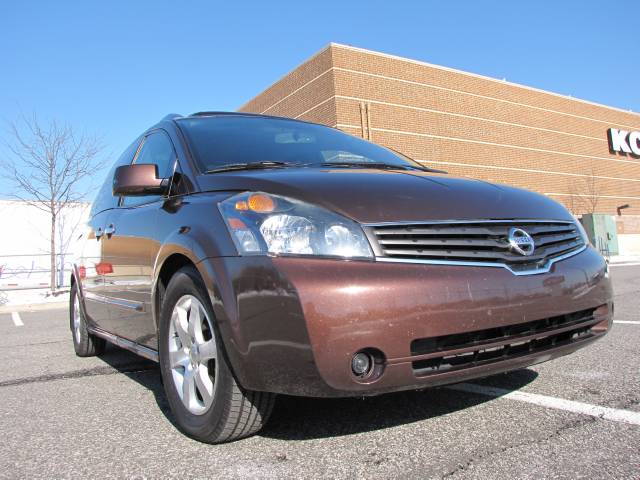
467, 124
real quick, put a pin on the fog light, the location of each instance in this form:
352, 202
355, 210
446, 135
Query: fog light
361, 364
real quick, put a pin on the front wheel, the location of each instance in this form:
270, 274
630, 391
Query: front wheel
207, 402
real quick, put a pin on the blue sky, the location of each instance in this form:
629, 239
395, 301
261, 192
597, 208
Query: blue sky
114, 68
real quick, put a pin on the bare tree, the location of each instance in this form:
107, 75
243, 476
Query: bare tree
574, 201
584, 194
591, 191
48, 165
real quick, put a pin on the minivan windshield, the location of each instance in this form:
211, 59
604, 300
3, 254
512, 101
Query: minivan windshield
225, 142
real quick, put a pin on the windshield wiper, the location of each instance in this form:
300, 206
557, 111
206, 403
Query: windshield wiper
381, 166
253, 166
421, 167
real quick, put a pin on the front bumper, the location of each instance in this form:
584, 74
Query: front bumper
292, 325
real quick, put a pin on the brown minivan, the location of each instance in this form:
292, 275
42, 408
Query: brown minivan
253, 255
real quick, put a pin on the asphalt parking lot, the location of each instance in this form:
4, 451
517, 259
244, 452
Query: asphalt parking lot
575, 417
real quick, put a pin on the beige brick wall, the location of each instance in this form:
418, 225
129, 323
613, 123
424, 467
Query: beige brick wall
469, 125
301, 93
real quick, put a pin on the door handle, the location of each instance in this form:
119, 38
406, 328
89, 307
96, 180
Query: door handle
99, 232
110, 230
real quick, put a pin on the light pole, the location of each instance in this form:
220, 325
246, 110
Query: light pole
622, 207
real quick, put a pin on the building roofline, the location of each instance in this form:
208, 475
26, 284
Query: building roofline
470, 74
439, 67
282, 77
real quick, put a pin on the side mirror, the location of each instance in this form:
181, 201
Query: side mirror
139, 179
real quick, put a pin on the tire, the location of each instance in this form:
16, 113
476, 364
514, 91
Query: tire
84, 343
207, 402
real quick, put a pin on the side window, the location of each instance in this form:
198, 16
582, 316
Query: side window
156, 149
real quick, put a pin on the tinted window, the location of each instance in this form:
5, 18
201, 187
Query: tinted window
157, 149
221, 140
104, 199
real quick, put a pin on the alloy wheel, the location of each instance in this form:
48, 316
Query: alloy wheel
193, 354
76, 319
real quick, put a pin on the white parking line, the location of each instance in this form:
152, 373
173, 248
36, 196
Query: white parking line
628, 322
632, 264
15, 316
606, 413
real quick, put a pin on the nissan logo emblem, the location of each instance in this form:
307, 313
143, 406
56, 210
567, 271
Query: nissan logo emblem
521, 242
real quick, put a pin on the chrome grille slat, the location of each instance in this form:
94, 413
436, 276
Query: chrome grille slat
472, 249
462, 230
553, 249
481, 254
444, 242
467, 254
547, 239
477, 241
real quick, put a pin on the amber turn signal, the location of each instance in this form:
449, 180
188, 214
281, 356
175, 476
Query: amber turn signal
261, 203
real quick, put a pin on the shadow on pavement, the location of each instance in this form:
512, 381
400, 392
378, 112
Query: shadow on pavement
143, 371
296, 418
299, 418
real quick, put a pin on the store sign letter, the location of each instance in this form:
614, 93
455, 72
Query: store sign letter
623, 141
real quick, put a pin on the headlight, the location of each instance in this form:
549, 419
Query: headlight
583, 232
261, 223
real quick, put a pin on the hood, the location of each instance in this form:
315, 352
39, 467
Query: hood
374, 196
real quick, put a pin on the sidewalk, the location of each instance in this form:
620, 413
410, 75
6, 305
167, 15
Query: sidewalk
33, 299
624, 259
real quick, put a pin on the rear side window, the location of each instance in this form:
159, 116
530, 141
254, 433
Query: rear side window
104, 199
157, 149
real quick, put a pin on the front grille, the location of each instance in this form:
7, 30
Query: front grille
480, 347
477, 242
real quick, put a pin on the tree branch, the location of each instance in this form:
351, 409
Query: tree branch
47, 165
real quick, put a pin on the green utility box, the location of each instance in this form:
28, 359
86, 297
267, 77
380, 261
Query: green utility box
602, 232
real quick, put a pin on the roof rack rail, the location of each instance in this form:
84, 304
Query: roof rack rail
246, 114
171, 116
205, 114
